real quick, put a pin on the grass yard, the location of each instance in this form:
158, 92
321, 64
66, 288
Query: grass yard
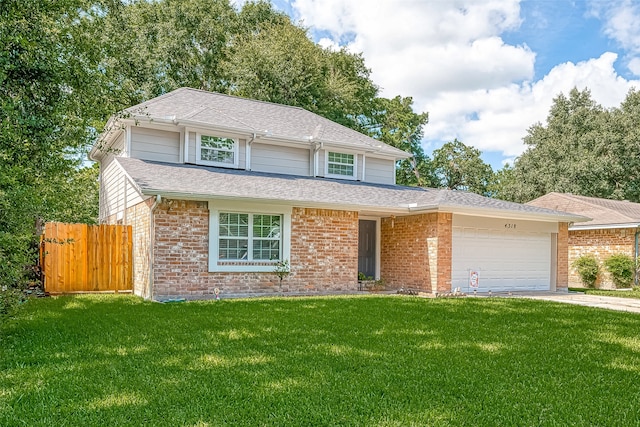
634, 293
369, 361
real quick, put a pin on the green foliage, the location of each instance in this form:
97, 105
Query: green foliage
587, 266
50, 102
10, 299
282, 269
622, 269
459, 167
581, 149
357, 361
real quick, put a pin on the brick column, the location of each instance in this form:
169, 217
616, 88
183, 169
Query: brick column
562, 277
444, 236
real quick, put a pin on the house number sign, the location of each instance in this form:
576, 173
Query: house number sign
510, 226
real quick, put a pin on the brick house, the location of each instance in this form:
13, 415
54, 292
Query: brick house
613, 229
218, 188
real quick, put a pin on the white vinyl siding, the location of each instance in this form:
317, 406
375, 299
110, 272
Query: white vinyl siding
113, 197
278, 159
191, 150
379, 171
155, 144
508, 255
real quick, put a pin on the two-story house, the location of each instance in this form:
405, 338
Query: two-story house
218, 188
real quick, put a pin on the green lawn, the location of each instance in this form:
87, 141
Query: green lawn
369, 361
635, 293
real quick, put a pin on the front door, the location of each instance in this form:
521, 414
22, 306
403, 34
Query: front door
367, 248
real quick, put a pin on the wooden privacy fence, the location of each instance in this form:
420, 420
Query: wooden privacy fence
86, 258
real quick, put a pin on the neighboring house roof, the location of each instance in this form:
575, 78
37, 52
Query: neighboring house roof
203, 182
192, 107
604, 213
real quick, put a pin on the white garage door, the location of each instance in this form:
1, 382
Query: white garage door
509, 259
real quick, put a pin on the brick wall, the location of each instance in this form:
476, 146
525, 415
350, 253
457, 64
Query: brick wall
415, 251
324, 255
602, 244
324, 250
562, 269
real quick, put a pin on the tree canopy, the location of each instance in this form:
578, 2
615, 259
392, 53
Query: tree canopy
582, 149
459, 167
67, 65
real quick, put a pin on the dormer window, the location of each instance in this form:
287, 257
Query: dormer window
217, 151
341, 165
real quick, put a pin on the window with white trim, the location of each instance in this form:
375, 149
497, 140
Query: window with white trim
251, 237
248, 237
341, 164
217, 151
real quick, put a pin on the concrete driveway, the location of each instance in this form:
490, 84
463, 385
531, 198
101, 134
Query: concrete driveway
611, 303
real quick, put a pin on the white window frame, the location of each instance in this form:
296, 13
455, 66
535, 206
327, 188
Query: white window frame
235, 151
216, 207
331, 175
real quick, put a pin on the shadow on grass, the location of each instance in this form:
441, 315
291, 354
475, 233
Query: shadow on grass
96, 360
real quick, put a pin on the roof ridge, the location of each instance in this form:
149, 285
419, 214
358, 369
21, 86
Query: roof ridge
209, 92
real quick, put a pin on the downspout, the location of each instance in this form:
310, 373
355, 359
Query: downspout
152, 243
318, 147
247, 154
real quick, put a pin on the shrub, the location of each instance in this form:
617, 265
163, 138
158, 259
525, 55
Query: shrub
10, 298
587, 266
622, 268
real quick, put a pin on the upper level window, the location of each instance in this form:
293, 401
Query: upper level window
341, 164
216, 151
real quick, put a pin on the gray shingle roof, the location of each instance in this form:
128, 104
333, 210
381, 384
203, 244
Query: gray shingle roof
202, 182
604, 212
191, 106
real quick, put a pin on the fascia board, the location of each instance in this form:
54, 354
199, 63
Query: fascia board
604, 226
501, 213
401, 211
108, 137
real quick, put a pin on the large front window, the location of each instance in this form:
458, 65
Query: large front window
341, 164
217, 151
248, 236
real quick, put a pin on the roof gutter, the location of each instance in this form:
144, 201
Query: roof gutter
479, 211
604, 226
400, 210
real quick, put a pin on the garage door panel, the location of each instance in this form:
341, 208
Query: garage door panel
505, 259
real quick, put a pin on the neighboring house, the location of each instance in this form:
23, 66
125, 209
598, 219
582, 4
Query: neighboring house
218, 188
613, 229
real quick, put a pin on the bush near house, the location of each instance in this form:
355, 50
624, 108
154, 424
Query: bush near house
622, 268
10, 298
587, 266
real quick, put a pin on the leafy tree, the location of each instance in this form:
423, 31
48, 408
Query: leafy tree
48, 106
581, 149
459, 167
395, 123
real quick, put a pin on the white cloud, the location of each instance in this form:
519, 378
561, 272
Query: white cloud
504, 114
450, 57
634, 66
621, 21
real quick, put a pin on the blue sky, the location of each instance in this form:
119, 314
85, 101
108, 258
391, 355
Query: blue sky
484, 70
